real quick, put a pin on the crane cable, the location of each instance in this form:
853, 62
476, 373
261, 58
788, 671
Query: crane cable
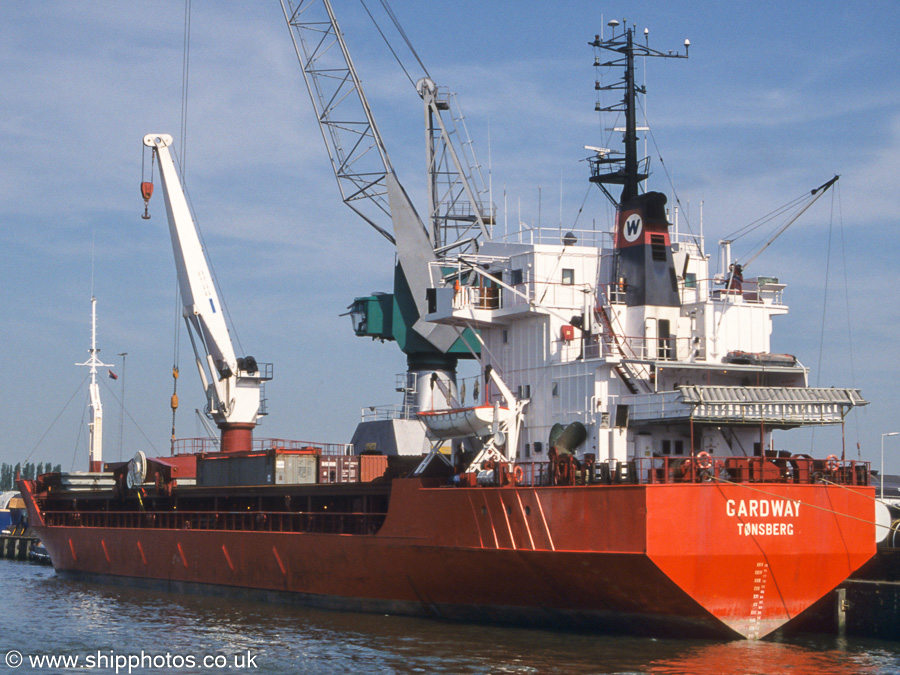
685, 213
176, 349
836, 199
814, 194
763, 220
403, 35
185, 71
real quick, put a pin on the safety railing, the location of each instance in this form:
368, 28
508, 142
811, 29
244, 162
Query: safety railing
525, 297
535, 473
231, 521
388, 412
702, 468
637, 348
787, 469
196, 446
557, 236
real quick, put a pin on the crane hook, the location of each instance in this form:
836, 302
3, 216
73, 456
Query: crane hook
146, 193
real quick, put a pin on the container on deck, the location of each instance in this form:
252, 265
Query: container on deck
352, 468
276, 466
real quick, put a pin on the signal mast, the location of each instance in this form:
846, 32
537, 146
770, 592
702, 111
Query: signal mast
95, 443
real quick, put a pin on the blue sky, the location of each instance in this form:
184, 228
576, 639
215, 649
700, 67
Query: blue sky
775, 99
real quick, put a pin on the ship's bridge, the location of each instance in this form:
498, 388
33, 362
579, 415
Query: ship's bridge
511, 281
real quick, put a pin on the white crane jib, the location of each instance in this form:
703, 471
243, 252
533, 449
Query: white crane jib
233, 385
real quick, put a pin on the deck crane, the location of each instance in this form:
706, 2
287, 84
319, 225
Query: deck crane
233, 385
459, 212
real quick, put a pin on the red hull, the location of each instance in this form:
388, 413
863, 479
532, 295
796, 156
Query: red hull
588, 555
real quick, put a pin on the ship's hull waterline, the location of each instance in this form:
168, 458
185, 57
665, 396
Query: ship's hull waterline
713, 559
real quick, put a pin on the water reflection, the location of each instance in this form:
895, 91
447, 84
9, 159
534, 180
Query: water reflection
82, 618
773, 658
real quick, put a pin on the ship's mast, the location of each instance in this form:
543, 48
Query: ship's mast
95, 446
609, 167
632, 178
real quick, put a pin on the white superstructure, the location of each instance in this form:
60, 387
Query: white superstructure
645, 381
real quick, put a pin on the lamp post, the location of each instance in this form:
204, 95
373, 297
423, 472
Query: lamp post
890, 433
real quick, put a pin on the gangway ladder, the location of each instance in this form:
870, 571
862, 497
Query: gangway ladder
614, 342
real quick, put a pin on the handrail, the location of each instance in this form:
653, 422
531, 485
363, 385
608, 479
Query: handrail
231, 521
705, 468
196, 446
769, 469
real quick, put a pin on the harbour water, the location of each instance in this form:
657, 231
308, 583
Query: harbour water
116, 629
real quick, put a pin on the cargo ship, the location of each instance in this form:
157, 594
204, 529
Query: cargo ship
612, 466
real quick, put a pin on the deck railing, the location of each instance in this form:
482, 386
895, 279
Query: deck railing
703, 468
196, 446
234, 521
708, 468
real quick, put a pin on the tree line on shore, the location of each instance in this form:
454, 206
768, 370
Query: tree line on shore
28, 470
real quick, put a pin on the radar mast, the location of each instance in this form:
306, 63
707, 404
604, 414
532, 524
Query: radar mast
615, 168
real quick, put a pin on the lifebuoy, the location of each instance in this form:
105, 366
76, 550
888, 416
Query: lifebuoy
518, 474
831, 462
704, 461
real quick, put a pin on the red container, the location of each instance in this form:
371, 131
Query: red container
372, 467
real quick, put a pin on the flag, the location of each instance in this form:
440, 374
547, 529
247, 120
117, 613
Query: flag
112, 375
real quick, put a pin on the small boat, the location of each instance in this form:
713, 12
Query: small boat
760, 358
477, 421
39, 554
